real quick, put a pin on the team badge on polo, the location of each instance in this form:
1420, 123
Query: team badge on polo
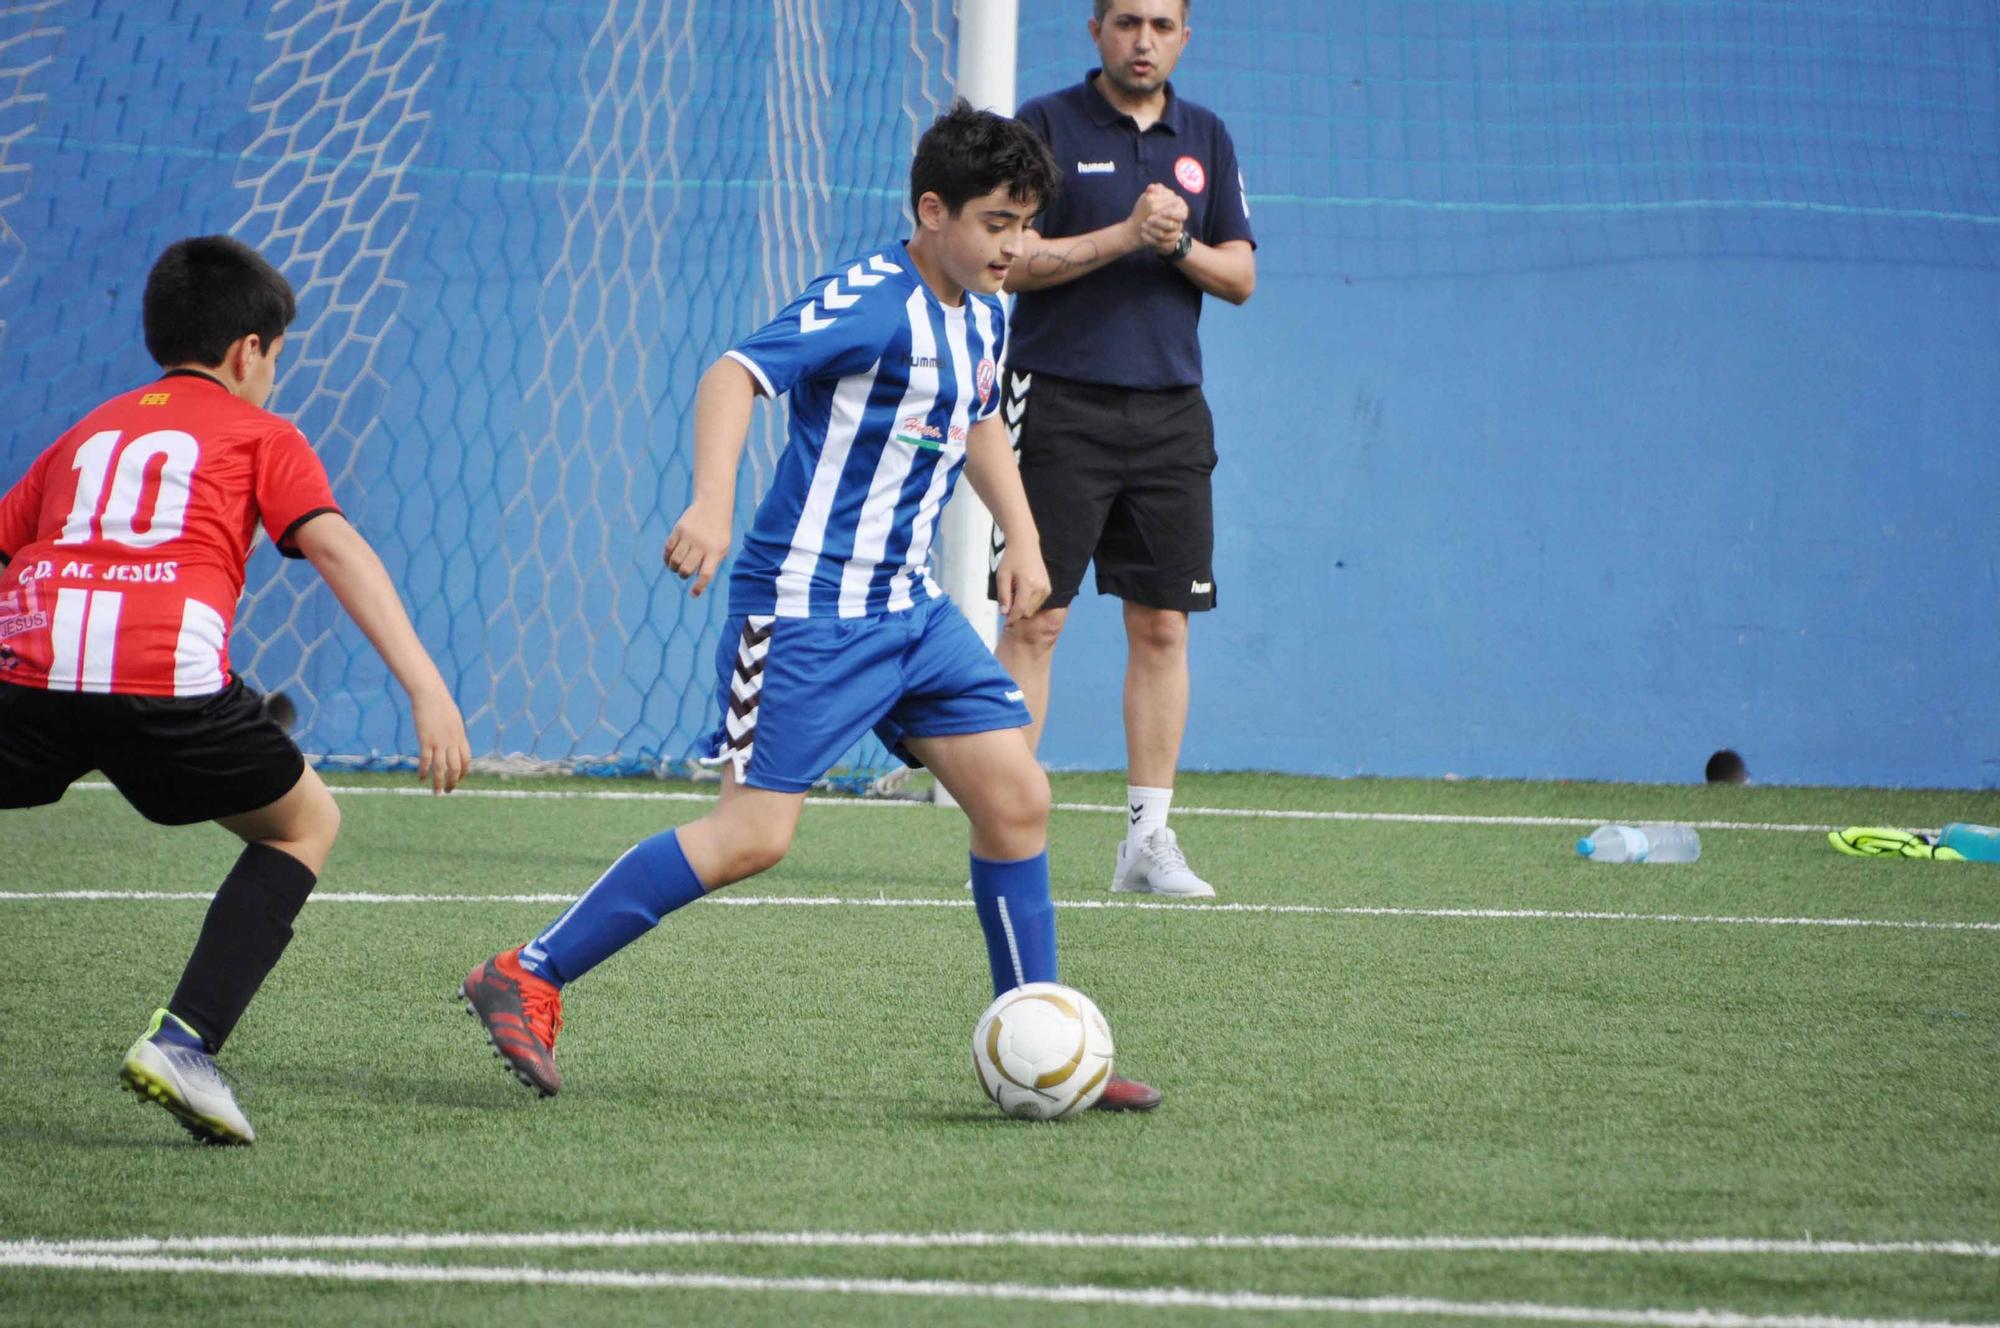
1192, 177
984, 378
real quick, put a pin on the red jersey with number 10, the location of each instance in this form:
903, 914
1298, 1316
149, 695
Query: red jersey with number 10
128, 539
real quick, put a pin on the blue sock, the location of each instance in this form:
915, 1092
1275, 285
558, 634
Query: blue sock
1019, 919
649, 882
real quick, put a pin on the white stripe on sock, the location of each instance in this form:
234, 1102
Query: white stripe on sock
1013, 949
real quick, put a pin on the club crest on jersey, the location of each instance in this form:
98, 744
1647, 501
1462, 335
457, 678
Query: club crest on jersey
1192, 177
984, 378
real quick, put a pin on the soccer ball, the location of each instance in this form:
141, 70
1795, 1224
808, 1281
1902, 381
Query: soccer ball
1042, 1052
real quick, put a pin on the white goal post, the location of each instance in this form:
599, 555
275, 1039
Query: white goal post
987, 31
986, 38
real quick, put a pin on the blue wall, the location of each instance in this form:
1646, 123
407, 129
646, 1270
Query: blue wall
1620, 383
1536, 470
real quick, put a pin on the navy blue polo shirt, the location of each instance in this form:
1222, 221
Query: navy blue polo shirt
1132, 322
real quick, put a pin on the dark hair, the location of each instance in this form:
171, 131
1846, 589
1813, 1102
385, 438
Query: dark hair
207, 292
1103, 7
966, 153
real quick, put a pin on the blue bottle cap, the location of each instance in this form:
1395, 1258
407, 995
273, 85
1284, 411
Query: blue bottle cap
1584, 847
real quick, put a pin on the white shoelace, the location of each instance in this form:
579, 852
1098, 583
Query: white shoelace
1165, 852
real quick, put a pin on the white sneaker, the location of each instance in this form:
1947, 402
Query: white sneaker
1157, 867
185, 1081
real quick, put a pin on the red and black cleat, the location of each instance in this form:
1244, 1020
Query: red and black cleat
1122, 1094
521, 1014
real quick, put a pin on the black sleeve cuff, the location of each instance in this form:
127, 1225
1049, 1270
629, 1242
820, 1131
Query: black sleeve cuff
287, 542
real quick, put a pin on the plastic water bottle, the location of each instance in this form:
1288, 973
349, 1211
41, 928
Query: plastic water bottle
1979, 843
1649, 842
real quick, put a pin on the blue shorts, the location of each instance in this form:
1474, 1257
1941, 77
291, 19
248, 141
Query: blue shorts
795, 693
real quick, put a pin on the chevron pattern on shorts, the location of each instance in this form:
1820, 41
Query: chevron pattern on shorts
746, 688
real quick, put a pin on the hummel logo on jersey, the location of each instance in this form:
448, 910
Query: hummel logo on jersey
1016, 695
1202, 588
1096, 167
923, 361
155, 398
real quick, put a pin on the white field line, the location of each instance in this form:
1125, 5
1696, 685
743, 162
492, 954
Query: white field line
1246, 813
1143, 1298
411, 1242
830, 901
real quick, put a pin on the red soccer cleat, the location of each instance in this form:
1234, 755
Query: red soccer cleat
522, 1015
1122, 1094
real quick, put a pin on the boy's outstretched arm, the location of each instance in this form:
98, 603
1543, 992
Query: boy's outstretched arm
361, 584
700, 539
1022, 579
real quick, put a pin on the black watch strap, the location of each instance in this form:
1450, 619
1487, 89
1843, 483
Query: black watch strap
1181, 248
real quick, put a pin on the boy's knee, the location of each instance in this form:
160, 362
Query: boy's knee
316, 824
752, 847
1022, 811
762, 855
1035, 797
326, 816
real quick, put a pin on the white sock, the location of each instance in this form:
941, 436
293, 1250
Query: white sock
1145, 811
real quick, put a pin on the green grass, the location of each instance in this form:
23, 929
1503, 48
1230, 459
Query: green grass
791, 1069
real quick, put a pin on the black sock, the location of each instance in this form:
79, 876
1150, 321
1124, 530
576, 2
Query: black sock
248, 926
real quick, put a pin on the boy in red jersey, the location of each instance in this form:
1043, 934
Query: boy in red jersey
122, 554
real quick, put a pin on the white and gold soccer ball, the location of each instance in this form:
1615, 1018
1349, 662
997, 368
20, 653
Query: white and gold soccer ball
1042, 1052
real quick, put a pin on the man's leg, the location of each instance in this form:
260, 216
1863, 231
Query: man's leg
1071, 447
1156, 708
1027, 651
1156, 694
517, 994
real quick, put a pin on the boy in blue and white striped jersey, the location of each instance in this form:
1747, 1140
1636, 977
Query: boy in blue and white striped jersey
892, 363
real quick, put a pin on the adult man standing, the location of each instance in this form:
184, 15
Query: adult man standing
1104, 388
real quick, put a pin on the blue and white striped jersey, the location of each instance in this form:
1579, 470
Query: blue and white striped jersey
885, 384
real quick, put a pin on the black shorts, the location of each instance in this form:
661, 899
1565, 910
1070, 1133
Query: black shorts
177, 759
1120, 477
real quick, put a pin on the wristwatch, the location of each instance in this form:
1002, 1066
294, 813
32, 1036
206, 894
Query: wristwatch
1181, 247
